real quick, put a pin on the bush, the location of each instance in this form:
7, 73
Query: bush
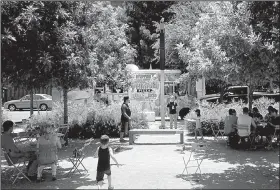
215, 114
92, 119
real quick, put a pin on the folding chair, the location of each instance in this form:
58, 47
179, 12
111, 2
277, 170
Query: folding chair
244, 132
16, 167
63, 132
78, 157
196, 147
213, 131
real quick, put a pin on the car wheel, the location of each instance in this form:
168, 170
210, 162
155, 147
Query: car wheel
12, 107
43, 107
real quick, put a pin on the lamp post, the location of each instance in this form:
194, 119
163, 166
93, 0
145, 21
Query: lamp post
162, 64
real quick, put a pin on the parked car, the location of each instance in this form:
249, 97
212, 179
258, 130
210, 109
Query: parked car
239, 93
40, 101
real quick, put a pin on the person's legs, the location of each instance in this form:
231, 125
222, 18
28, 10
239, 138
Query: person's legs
195, 133
200, 133
108, 173
99, 178
54, 167
122, 130
33, 166
126, 129
175, 120
171, 120
39, 172
66, 139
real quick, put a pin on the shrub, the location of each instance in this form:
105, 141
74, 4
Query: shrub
98, 118
215, 114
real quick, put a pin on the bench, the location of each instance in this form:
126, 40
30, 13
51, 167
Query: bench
156, 132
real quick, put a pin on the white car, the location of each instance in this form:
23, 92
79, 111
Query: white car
40, 101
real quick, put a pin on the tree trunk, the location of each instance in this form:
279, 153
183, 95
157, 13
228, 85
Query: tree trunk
31, 102
222, 91
250, 100
65, 101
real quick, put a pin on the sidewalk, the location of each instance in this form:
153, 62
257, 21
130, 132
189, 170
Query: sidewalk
161, 167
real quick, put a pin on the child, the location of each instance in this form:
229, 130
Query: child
104, 153
198, 125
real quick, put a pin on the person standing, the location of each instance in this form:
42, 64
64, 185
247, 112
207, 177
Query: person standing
172, 106
198, 125
104, 153
125, 118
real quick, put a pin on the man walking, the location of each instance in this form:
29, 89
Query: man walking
172, 105
125, 118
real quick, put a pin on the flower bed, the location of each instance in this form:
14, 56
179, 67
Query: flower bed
215, 114
92, 119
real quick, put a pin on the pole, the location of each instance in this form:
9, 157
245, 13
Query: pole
162, 64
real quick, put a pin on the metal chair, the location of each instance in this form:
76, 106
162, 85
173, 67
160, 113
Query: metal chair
78, 157
17, 171
196, 147
216, 134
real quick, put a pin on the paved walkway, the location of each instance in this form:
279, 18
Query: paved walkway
161, 166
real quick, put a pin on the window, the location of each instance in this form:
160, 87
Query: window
27, 97
47, 96
38, 97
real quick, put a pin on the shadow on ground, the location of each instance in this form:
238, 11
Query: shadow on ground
64, 181
255, 169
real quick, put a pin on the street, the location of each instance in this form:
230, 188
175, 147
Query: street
17, 116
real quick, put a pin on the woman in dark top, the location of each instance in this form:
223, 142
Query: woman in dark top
125, 118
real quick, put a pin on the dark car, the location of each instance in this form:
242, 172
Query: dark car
237, 93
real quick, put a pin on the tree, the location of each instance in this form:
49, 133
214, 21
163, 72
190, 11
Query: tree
142, 29
224, 46
265, 19
25, 60
45, 50
106, 42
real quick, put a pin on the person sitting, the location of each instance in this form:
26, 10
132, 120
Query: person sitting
230, 122
269, 129
16, 155
47, 145
268, 115
256, 115
230, 128
245, 120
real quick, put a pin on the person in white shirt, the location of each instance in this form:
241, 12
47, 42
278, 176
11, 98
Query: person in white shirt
245, 120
